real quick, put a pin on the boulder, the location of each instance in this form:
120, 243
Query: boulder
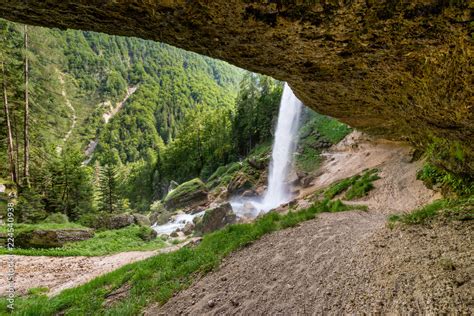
188, 229
141, 220
239, 183
119, 221
160, 218
258, 164
216, 218
51, 238
249, 193
147, 233
189, 194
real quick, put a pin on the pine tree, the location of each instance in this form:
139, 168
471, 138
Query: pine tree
108, 189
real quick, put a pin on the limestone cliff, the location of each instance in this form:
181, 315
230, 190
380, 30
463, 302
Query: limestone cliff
399, 69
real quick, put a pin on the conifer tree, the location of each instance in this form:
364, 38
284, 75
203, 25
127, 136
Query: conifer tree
108, 189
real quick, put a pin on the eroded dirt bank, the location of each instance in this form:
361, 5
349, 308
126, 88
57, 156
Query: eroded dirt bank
346, 262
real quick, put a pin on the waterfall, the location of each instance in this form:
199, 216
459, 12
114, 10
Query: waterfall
283, 148
284, 145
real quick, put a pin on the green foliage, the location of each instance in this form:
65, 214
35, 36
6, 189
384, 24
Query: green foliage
131, 238
256, 110
330, 129
202, 144
38, 291
433, 176
57, 218
355, 187
223, 175
459, 209
362, 185
108, 194
158, 278
316, 128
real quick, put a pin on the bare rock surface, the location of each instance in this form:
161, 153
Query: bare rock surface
383, 66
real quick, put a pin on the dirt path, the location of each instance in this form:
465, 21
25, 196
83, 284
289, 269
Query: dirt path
346, 262
59, 273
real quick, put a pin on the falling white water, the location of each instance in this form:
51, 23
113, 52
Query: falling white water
284, 146
278, 192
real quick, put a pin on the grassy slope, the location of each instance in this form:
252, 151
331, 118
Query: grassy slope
355, 187
330, 129
157, 278
103, 243
459, 209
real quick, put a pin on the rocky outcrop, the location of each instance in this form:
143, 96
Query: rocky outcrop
119, 221
399, 69
189, 194
215, 218
141, 220
51, 238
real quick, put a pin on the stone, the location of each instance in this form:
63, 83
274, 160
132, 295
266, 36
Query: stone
187, 195
160, 218
174, 234
256, 163
306, 181
141, 220
216, 218
239, 183
118, 221
248, 193
188, 229
51, 238
211, 303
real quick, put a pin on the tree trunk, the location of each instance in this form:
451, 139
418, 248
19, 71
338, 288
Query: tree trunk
11, 159
26, 153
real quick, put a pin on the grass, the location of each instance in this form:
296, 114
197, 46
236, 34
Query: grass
158, 278
459, 209
103, 243
331, 129
355, 187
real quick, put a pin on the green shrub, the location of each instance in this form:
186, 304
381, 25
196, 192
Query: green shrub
449, 182
57, 218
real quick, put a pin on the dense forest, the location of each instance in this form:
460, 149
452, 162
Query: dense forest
183, 116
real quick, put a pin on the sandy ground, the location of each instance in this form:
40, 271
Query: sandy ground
59, 273
349, 262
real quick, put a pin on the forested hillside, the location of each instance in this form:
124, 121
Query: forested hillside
87, 71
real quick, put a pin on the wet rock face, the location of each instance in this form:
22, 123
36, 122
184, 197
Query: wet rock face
215, 218
399, 69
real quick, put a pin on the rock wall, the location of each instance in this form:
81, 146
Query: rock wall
399, 69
